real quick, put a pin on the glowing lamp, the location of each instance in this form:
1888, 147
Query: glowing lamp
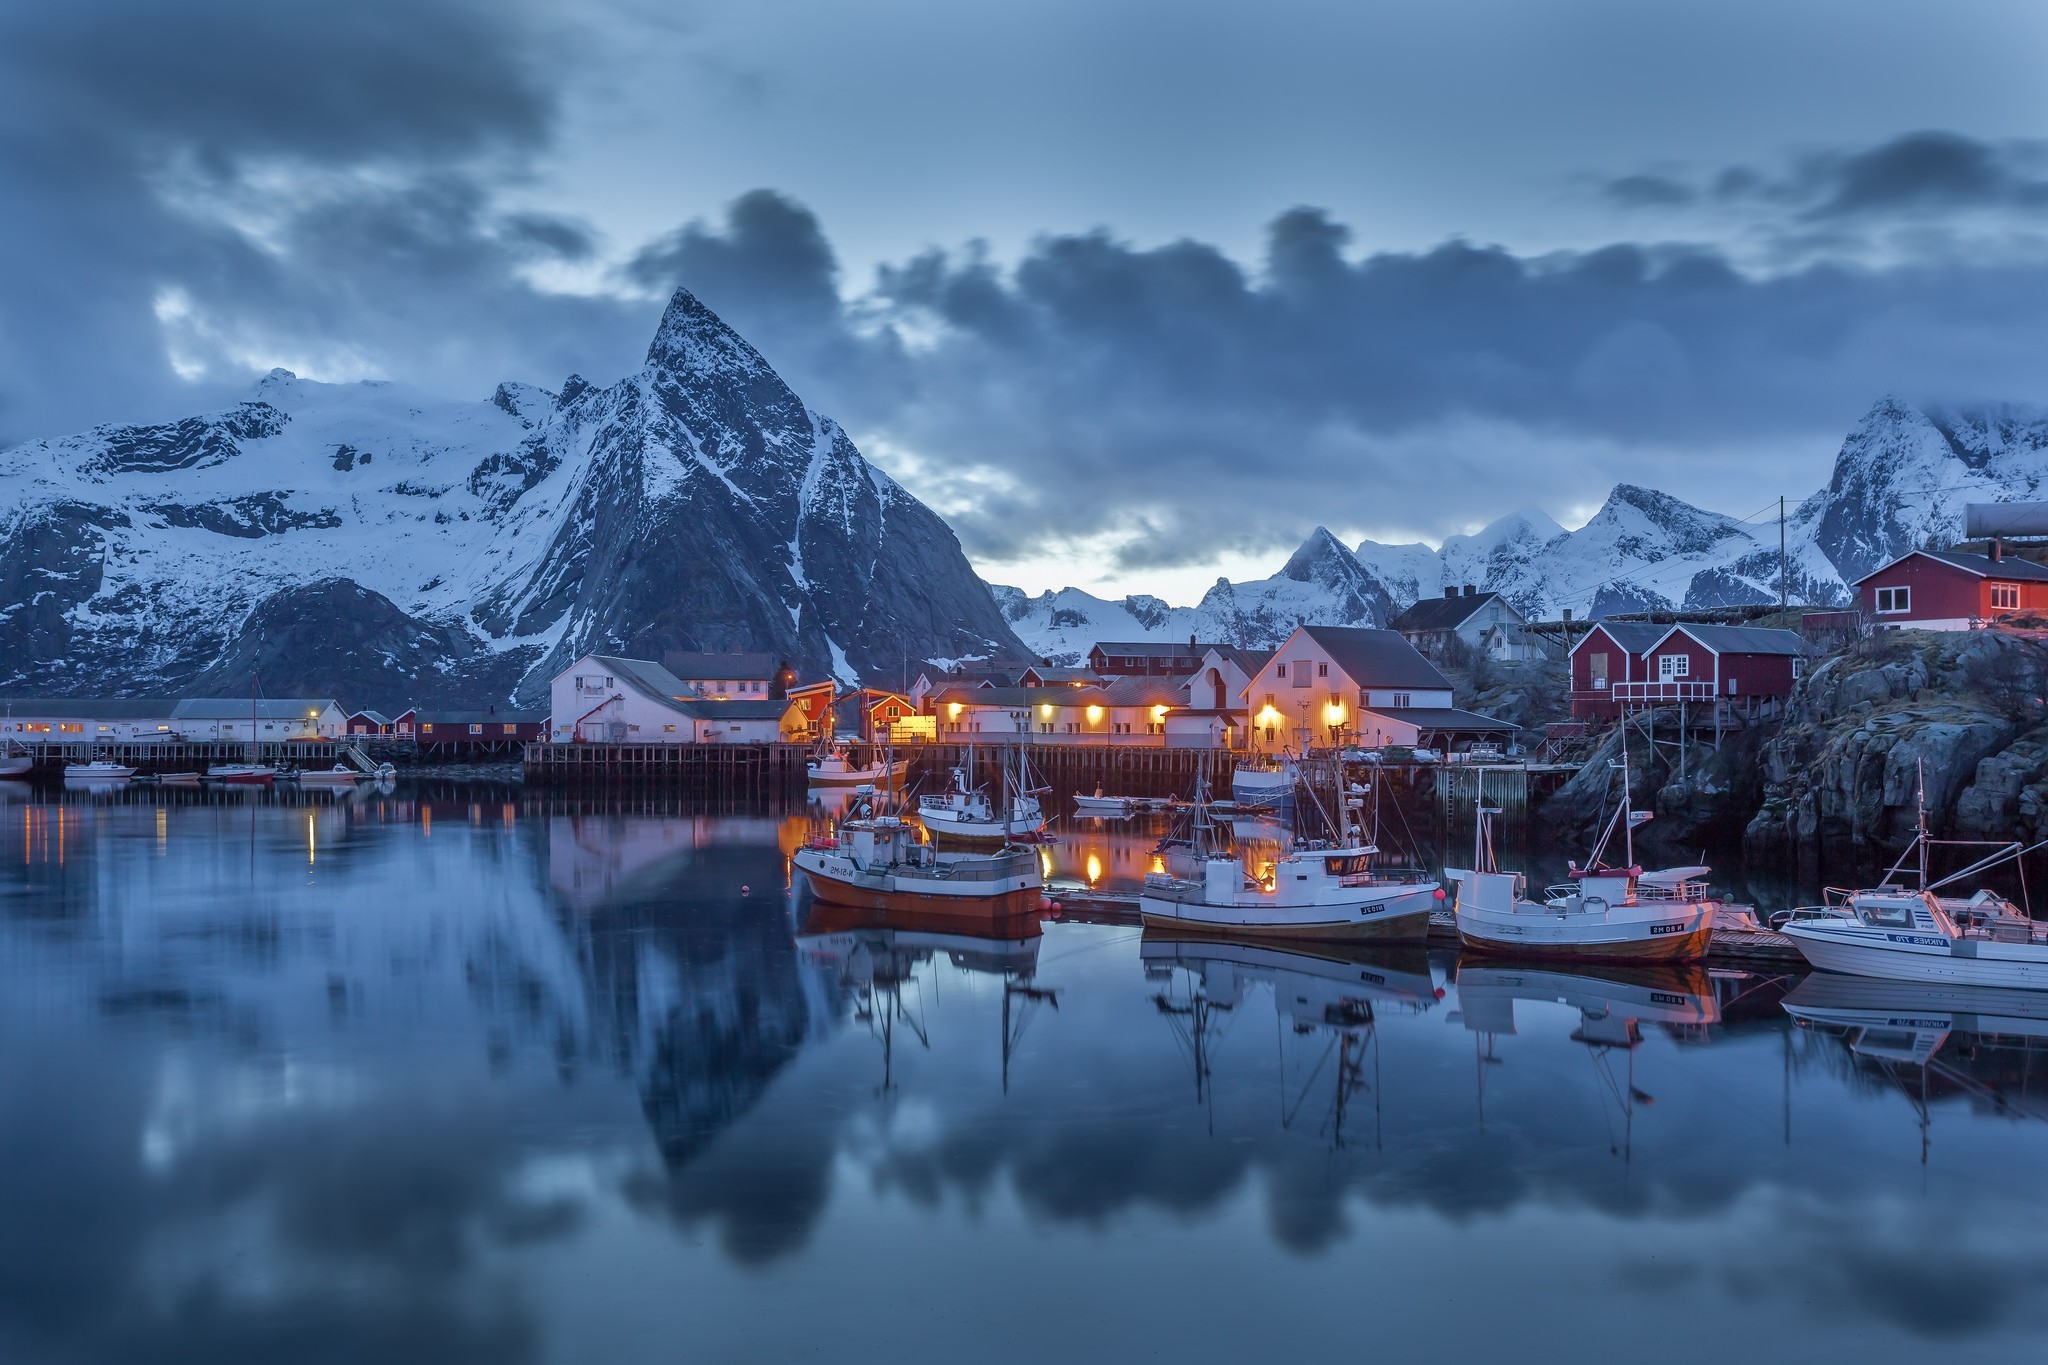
1045, 709
1159, 713
953, 710
1094, 714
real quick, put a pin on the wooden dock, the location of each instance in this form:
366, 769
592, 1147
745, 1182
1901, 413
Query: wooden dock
729, 769
179, 755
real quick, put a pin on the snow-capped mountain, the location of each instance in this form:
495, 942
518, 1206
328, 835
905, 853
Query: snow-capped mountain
367, 540
1901, 479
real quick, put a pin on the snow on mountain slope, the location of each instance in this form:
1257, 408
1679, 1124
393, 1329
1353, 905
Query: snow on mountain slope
369, 540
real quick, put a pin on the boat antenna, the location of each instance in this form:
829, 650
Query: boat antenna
1920, 804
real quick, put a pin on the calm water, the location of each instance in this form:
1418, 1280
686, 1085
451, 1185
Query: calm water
485, 1077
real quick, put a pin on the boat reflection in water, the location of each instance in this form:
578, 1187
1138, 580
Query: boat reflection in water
871, 958
1613, 1002
1330, 996
1936, 1042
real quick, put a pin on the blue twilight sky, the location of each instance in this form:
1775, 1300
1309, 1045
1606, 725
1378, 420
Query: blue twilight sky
1134, 293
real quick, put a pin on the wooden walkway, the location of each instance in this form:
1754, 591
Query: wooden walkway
176, 755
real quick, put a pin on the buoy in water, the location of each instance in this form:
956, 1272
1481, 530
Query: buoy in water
746, 890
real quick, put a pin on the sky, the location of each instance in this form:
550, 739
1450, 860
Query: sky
1133, 293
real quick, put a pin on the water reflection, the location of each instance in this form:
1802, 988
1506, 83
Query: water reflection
476, 1074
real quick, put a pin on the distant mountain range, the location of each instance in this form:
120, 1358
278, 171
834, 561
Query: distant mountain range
367, 541
1901, 479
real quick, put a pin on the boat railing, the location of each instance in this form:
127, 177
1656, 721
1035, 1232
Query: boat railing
1672, 891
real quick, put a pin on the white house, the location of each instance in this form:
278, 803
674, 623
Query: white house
266, 718
602, 699
735, 676
1484, 623
1353, 685
75, 720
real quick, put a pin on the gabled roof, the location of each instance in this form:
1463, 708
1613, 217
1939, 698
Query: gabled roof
500, 716
1980, 566
1445, 613
1445, 718
239, 708
750, 666
374, 717
1021, 698
1637, 637
1376, 658
706, 708
1152, 649
648, 678
1740, 639
1248, 661
1056, 676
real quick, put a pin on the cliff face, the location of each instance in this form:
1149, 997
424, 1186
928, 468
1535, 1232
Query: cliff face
391, 548
1969, 711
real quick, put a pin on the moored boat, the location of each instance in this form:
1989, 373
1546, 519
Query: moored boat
339, 777
1323, 894
99, 770
835, 769
1603, 914
877, 863
177, 779
1267, 784
1911, 934
966, 816
241, 775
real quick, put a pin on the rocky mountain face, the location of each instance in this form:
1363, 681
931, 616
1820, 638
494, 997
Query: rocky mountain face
368, 541
1900, 480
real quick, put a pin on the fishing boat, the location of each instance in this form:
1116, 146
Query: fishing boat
1929, 1010
1311, 983
1316, 893
1117, 807
338, 778
876, 862
835, 769
1265, 783
1909, 933
1602, 914
99, 770
240, 775
965, 816
14, 763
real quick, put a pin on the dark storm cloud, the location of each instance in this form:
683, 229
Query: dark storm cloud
1200, 405
139, 143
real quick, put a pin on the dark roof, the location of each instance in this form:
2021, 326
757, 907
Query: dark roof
1982, 566
1636, 637
1143, 691
647, 678
1743, 639
374, 717
1444, 718
1048, 673
1020, 698
93, 708
752, 665
1152, 649
1248, 661
1443, 613
1376, 658
502, 716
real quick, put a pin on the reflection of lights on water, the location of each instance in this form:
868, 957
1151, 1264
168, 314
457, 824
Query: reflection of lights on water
312, 840
1045, 863
1094, 869
163, 829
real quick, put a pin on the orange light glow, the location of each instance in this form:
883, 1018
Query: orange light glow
1094, 869
1094, 714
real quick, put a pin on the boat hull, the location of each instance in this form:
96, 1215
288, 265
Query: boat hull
857, 777
1561, 941
951, 836
1396, 919
1017, 903
15, 767
1926, 958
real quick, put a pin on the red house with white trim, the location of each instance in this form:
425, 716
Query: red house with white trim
1950, 590
1699, 663
1611, 652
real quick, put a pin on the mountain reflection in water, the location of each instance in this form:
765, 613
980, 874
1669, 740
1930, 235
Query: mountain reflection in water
491, 1076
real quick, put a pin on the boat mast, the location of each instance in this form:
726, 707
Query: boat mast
1920, 818
1628, 811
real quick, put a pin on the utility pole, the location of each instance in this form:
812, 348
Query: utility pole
1784, 566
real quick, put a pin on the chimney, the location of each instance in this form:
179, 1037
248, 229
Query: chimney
1567, 615
1470, 590
1191, 642
1451, 591
1997, 549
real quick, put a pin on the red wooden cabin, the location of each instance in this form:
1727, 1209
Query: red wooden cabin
1950, 590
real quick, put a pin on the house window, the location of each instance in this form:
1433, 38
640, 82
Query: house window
1598, 665
427, 729
1670, 666
1894, 599
476, 729
70, 728
1401, 700
2005, 596
512, 729
1301, 673
1280, 672
1731, 687
1322, 670
607, 681
668, 729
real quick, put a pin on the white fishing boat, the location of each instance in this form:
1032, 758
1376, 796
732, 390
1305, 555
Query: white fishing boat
1328, 894
835, 769
99, 770
1907, 933
1603, 914
15, 765
1265, 783
337, 778
966, 816
877, 863
1117, 807
1928, 1011
1309, 987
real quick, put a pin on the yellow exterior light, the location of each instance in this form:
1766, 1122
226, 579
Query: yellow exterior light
1334, 713
1094, 714
1094, 869
953, 710
1159, 713
1268, 716
1045, 708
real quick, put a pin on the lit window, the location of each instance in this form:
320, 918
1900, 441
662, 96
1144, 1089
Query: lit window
512, 729
476, 729
1894, 599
